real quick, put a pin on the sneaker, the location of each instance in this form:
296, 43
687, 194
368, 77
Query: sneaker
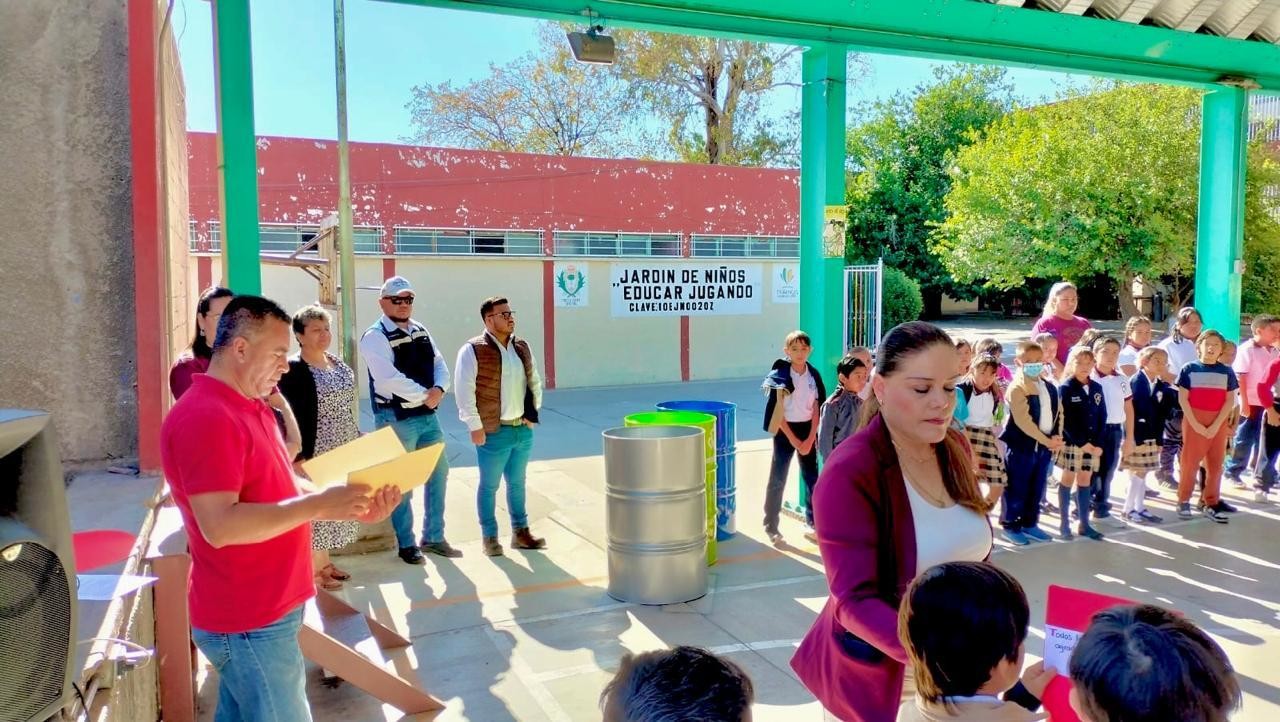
1184, 510
1092, 533
492, 547
1224, 507
811, 536
1150, 517
411, 555
1151, 494
1066, 535
1259, 496
441, 548
1215, 515
775, 537
1134, 517
1047, 508
1016, 537
1168, 482
1236, 481
1035, 533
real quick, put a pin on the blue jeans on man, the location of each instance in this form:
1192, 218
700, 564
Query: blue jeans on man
1247, 437
415, 433
261, 676
505, 452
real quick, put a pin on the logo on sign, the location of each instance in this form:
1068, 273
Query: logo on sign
571, 280
787, 276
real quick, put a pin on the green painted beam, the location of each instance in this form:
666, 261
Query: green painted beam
949, 29
1220, 223
237, 147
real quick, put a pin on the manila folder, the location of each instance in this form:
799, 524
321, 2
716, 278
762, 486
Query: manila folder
335, 466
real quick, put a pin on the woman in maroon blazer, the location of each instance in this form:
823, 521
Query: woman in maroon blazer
898, 497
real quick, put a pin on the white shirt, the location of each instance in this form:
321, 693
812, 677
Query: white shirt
1253, 360
1115, 390
982, 409
511, 393
953, 534
1180, 353
800, 403
1128, 356
389, 381
1045, 421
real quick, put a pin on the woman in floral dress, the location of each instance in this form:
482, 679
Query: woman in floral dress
321, 389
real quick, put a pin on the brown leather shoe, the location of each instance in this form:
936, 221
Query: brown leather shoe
522, 538
491, 547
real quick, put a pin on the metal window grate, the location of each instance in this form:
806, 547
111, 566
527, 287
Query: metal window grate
467, 241
710, 246
599, 243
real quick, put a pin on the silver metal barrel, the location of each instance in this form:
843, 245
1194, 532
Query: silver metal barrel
656, 513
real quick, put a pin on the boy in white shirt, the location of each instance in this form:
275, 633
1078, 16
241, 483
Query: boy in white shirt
1252, 360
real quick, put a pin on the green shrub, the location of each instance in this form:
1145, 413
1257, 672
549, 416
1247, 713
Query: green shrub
901, 299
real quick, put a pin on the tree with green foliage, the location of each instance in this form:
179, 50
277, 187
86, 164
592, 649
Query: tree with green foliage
901, 154
1102, 183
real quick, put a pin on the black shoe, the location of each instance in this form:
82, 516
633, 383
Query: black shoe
411, 555
441, 548
1225, 508
1091, 533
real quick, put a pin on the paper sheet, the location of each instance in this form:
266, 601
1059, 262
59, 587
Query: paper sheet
376, 460
407, 472
105, 587
334, 466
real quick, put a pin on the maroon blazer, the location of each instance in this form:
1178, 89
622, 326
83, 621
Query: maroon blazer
851, 659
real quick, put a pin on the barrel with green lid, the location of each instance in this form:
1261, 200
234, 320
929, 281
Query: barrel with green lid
707, 423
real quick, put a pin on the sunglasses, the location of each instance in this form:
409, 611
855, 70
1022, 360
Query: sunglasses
506, 315
400, 300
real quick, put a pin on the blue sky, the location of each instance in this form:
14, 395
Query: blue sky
392, 47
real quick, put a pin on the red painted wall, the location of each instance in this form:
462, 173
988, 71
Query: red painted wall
400, 185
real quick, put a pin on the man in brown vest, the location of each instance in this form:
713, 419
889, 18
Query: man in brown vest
499, 393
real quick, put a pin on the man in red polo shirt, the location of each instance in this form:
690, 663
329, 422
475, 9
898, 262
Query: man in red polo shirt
248, 518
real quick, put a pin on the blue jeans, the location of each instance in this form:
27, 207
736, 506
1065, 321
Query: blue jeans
1112, 443
415, 433
504, 452
1247, 436
261, 677
1028, 470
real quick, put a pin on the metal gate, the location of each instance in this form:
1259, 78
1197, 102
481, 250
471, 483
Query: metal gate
863, 305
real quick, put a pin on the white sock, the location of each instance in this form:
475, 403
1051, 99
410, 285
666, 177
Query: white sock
1136, 500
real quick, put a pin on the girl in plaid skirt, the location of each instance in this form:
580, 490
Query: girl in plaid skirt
1153, 403
1084, 416
985, 401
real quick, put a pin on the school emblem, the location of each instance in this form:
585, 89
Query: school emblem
1097, 399
571, 280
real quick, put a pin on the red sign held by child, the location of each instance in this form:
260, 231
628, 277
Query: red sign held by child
1067, 616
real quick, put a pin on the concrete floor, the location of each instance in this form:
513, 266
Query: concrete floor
533, 636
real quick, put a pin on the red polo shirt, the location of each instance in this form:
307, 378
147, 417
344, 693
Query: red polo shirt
216, 440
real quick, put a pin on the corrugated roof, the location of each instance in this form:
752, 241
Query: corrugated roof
1241, 19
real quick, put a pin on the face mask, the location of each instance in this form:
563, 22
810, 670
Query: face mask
1033, 370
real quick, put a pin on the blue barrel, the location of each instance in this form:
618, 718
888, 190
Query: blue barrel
726, 459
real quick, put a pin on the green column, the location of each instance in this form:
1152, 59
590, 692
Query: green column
822, 156
1220, 224
822, 159
237, 146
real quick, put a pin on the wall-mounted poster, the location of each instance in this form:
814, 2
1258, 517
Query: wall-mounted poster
687, 289
571, 285
786, 282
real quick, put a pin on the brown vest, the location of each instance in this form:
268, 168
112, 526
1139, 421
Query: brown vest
489, 380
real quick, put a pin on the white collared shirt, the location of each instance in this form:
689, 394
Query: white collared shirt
389, 381
1115, 391
511, 393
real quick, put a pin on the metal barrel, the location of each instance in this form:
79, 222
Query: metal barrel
655, 513
726, 451
707, 423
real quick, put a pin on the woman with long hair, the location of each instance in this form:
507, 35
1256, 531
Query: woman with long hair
195, 360
899, 496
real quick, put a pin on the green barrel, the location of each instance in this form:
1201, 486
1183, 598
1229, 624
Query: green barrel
707, 423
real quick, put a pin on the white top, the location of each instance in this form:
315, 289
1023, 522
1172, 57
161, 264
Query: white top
951, 534
982, 409
800, 404
1046, 408
1115, 389
1128, 356
388, 381
513, 384
1180, 353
